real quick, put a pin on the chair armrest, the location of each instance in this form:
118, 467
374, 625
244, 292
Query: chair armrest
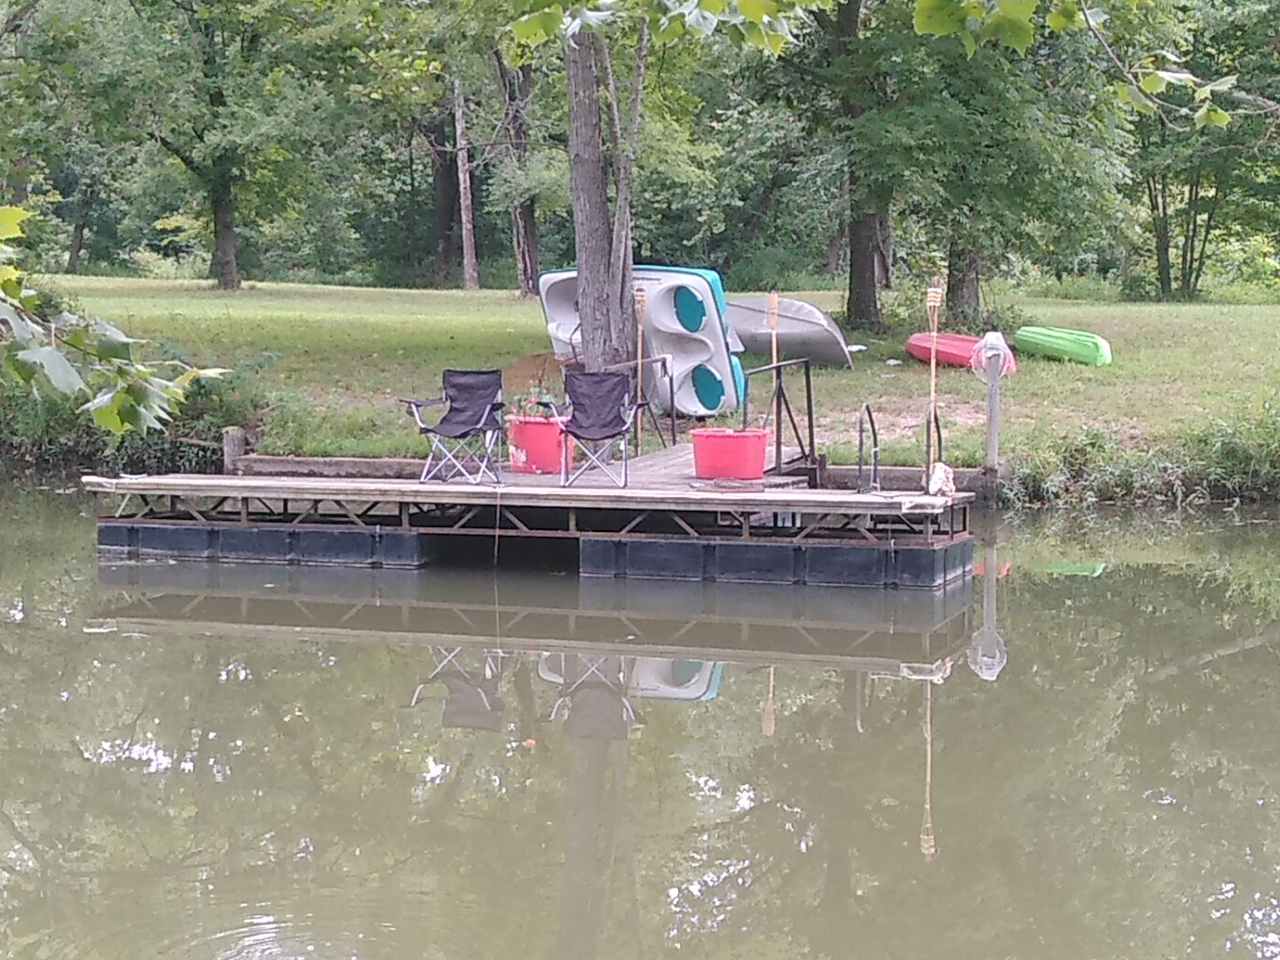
495, 407
548, 405
414, 407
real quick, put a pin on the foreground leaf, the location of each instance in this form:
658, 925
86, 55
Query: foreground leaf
57, 369
10, 222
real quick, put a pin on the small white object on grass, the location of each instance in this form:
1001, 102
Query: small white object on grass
857, 347
893, 363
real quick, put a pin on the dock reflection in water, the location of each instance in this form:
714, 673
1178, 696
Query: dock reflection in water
252, 762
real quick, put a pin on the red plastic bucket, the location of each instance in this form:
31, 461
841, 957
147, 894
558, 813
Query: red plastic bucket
537, 444
723, 454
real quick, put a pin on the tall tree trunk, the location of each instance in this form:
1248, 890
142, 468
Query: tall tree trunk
517, 88
884, 250
524, 242
839, 242
623, 317
836, 248
466, 213
444, 178
225, 266
589, 189
964, 299
864, 253
862, 304
1158, 202
77, 240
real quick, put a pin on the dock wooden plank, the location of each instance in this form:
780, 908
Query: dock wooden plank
518, 493
670, 466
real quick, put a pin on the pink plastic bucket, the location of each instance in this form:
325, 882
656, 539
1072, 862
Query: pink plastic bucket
537, 444
723, 454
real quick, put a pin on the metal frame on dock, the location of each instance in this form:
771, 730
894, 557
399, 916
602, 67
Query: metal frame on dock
670, 527
776, 515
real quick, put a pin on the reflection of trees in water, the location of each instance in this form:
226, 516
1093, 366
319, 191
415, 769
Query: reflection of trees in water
1097, 795
1052, 822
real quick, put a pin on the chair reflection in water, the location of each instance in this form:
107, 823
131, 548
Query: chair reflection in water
473, 699
592, 697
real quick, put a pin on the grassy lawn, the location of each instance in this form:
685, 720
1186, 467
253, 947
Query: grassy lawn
333, 359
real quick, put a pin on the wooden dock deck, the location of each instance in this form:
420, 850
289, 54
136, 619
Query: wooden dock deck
664, 524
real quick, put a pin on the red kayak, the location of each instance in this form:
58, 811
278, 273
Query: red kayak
954, 349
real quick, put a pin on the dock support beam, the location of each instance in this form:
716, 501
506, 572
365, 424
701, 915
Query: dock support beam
233, 448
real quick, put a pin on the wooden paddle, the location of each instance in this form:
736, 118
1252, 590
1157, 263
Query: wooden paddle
642, 304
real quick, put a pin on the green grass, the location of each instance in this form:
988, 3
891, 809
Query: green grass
333, 359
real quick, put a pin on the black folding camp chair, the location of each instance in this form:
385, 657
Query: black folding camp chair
602, 415
470, 432
593, 695
473, 700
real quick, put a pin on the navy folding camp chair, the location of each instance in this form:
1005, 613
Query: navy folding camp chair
467, 441
602, 413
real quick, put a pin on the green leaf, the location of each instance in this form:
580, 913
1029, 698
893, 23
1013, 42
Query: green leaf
672, 28
113, 345
1153, 82
10, 222
757, 10
23, 332
105, 408
700, 22
57, 369
1014, 32
1180, 77
939, 18
538, 27
1211, 115
1221, 85
24, 371
1057, 21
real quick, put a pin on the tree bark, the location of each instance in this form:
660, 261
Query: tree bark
517, 88
964, 299
77, 241
589, 189
466, 213
622, 318
444, 179
862, 304
884, 250
225, 266
864, 286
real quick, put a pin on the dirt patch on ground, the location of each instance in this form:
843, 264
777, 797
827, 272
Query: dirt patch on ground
898, 420
530, 371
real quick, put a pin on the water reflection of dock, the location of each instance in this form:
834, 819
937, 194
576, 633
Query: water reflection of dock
910, 634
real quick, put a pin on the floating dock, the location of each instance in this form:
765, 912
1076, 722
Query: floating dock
665, 525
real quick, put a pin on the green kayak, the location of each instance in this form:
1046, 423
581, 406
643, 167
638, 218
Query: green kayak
1062, 344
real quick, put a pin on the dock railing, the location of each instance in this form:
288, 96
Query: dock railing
867, 419
779, 403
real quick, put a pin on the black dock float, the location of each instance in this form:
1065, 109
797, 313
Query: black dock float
671, 530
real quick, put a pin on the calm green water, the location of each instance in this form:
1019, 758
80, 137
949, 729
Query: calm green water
1077, 759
